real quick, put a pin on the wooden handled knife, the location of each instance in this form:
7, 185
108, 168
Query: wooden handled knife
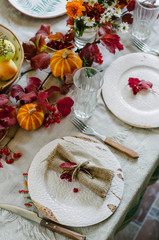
43, 222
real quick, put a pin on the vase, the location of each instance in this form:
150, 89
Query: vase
88, 36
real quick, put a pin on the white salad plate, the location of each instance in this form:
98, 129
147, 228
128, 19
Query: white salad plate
40, 8
142, 109
54, 197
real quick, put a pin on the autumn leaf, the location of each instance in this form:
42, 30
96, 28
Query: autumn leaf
68, 165
91, 53
29, 50
41, 61
44, 30
111, 42
138, 85
128, 17
58, 36
43, 95
3, 99
7, 117
17, 91
131, 6
105, 29
64, 106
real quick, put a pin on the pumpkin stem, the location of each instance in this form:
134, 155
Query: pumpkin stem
32, 110
65, 54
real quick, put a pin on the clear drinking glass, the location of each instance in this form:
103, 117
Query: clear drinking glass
88, 36
88, 82
145, 14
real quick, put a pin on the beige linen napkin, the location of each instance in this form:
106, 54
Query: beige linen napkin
95, 178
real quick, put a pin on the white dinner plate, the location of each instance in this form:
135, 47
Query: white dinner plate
142, 109
55, 198
40, 8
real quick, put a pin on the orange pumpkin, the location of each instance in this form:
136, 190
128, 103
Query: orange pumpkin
30, 116
64, 61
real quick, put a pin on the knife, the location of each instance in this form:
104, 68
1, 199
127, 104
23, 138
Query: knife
43, 222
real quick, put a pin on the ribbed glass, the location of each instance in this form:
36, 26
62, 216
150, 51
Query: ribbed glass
145, 15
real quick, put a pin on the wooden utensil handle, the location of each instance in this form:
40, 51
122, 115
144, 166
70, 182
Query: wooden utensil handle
121, 148
62, 230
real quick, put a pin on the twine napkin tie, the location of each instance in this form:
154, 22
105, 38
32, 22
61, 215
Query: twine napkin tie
95, 178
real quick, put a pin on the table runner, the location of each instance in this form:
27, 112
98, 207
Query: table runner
137, 173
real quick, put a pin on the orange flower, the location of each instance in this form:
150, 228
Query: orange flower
75, 8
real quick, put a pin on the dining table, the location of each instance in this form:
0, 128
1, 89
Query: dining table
138, 173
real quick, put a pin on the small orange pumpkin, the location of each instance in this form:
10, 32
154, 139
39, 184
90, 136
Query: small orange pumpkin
30, 116
64, 61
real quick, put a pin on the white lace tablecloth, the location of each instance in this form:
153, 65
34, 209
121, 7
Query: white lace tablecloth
136, 172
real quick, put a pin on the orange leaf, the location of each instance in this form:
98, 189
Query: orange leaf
58, 36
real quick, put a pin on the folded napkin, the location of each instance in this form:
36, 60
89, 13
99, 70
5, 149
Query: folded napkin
95, 178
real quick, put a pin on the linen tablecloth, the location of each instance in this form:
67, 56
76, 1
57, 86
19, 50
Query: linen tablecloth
137, 173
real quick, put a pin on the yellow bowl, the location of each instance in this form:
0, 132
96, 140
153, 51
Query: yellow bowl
19, 54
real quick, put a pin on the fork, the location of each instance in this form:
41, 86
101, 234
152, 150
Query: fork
143, 46
82, 127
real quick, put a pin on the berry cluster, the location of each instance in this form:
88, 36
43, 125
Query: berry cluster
66, 176
59, 44
8, 156
52, 116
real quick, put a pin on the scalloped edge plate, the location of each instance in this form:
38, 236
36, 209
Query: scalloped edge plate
19, 55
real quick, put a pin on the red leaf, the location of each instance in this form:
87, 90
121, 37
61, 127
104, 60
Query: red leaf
105, 29
17, 91
29, 97
137, 85
43, 95
3, 99
128, 17
131, 6
68, 165
64, 106
29, 50
91, 52
36, 82
51, 90
111, 42
41, 61
7, 116
44, 30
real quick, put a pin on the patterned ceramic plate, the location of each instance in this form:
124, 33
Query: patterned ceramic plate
19, 55
55, 198
142, 109
40, 8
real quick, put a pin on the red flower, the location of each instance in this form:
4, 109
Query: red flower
111, 42
96, 11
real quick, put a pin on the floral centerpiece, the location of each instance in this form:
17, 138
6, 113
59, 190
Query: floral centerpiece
104, 19
86, 18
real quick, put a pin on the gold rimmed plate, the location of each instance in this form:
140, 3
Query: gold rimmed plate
19, 55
